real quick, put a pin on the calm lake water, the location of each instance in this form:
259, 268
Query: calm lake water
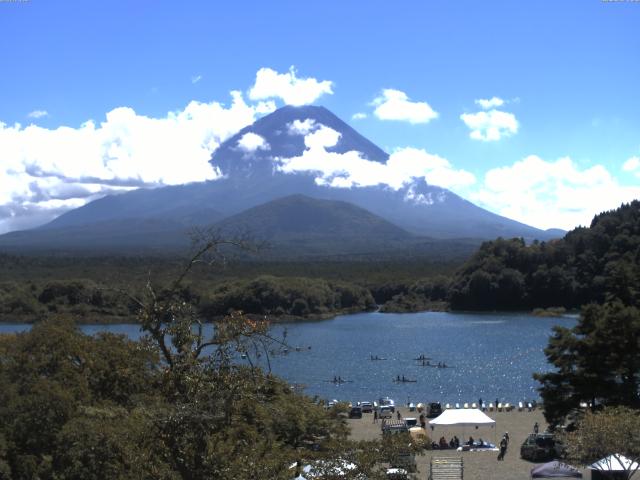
490, 355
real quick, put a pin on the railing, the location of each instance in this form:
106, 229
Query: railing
446, 468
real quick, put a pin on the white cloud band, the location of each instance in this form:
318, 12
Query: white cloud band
550, 194
350, 169
51, 169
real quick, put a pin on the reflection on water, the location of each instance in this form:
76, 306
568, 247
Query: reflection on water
488, 356
491, 356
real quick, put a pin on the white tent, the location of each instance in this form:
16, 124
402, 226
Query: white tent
615, 463
470, 417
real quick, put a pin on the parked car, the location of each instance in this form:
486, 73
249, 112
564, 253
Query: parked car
387, 402
355, 412
397, 474
540, 447
367, 407
434, 409
385, 412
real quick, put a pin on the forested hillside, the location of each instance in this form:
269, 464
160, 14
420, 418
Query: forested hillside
592, 264
98, 289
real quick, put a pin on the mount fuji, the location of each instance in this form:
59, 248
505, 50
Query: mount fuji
259, 167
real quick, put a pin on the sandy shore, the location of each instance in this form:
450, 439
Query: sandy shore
477, 465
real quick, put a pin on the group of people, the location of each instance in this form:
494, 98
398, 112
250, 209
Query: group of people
443, 444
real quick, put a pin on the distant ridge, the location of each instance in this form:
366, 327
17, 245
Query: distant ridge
159, 218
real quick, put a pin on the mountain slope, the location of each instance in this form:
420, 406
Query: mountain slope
301, 225
278, 129
252, 177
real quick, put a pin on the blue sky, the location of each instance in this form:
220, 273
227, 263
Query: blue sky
566, 139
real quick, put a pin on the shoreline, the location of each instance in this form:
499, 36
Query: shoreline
479, 465
289, 319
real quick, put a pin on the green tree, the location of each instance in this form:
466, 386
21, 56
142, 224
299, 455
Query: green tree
614, 431
596, 362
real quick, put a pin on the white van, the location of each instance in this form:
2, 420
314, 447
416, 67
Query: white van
385, 412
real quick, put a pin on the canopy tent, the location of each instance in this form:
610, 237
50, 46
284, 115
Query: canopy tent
615, 463
468, 417
555, 469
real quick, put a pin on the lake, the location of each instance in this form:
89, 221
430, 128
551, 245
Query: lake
489, 356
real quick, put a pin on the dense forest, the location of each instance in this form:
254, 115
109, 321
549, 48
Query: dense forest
98, 289
588, 265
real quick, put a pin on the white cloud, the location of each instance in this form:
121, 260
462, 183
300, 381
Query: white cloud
49, 170
38, 114
250, 142
492, 102
395, 105
196, 78
350, 169
490, 126
358, 116
288, 87
549, 194
632, 165
302, 127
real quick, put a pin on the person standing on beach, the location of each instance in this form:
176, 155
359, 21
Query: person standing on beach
503, 448
535, 428
375, 416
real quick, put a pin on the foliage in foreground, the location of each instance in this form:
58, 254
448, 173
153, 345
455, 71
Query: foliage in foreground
174, 405
615, 430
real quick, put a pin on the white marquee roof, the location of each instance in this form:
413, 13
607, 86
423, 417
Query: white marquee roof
467, 417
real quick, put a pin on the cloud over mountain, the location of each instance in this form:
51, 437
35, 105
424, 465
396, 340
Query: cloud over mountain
350, 169
47, 170
288, 87
250, 142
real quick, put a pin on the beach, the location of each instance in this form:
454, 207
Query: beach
478, 465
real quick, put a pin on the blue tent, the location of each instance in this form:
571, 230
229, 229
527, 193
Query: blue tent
555, 469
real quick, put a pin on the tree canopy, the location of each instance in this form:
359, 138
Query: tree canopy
597, 362
615, 432
175, 405
594, 264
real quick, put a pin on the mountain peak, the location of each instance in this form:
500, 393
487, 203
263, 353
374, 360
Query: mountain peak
255, 149
250, 161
